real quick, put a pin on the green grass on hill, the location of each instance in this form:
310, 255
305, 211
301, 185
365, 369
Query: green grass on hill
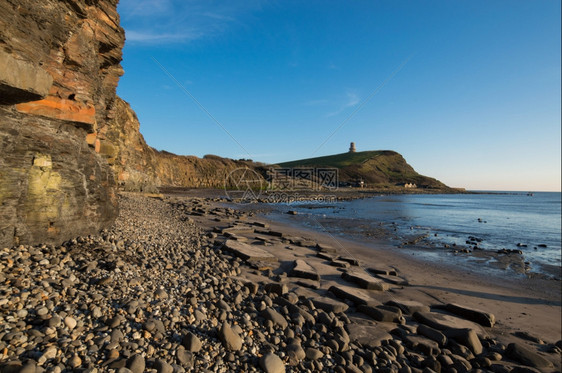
338, 160
379, 167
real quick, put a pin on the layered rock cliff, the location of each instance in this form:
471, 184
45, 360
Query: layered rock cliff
59, 68
139, 167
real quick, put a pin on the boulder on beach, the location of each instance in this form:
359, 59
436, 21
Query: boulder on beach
525, 356
229, 338
271, 363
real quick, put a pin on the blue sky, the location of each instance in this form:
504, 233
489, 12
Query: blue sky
467, 91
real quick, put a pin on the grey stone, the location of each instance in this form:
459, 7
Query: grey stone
313, 354
295, 352
163, 366
136, 363
271, 363
54, 321
229, 338
275, 317
432, 334
116, 335
191, 342
467, 337
184, 357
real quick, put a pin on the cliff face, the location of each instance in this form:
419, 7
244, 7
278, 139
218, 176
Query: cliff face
59, 68
139, 167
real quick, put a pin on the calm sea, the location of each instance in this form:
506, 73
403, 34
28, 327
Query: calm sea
498, 220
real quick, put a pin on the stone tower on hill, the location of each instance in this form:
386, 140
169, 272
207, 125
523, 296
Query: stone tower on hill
352, 148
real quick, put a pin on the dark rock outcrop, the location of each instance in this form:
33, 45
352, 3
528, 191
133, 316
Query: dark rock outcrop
59, 68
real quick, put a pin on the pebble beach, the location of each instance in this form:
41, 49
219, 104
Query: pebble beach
189, 284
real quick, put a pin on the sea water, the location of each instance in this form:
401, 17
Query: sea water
510, 220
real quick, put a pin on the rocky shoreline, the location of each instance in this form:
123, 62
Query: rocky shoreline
183, 284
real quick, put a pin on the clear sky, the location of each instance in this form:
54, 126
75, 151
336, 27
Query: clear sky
467, 91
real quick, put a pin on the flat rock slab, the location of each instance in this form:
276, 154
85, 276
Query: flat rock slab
367, 335
382, 313
353, 294
409, 307
382, 271
263, 239
263, 266
442, 321
303, 270
325, 248
329, 304
393, 280
249, 252
237, 238
303, 242
311, 284
339, 264
472, 314
364, 280
237, 230
270, 233
350, 260
260, 224
325, 256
